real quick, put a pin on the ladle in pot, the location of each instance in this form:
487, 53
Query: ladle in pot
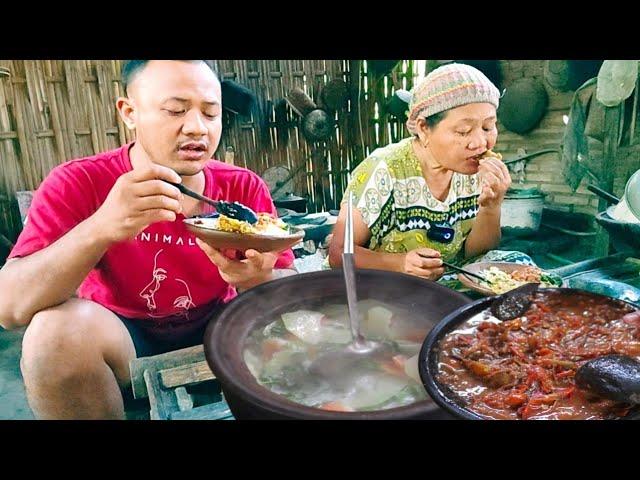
615, 377
332, 363
514, 303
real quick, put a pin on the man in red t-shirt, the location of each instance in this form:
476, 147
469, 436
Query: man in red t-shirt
105, 269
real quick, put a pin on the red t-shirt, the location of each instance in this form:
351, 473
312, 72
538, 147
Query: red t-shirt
161, 275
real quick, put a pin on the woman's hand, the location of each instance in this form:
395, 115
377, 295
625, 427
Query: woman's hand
255, 269
496, 180
423, 262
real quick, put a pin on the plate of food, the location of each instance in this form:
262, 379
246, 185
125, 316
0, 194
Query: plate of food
503, 277
268, 234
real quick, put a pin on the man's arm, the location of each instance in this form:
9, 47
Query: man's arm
51, 276
275, 274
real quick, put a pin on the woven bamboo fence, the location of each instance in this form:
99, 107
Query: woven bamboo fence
262, 141
52, 111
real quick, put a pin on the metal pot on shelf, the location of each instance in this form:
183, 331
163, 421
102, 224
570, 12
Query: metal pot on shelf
521, 211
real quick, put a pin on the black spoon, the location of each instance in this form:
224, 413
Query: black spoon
616, 377
466, 272
234, 210
514, 303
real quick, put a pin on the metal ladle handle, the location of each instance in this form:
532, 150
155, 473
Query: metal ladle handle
349, 270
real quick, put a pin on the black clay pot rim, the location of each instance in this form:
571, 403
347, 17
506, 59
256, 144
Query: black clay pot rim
449, 323
276, 403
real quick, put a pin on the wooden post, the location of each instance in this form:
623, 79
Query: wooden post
609, 154
321, 183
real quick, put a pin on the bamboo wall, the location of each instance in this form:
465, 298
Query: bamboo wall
52, 111
260, 141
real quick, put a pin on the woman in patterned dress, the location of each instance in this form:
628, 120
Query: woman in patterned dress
436, 195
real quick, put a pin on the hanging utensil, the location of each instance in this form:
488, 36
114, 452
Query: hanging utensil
300, 102
335, 94
616, 81
317, 125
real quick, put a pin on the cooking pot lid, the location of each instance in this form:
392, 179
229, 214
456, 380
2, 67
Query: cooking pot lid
616, 81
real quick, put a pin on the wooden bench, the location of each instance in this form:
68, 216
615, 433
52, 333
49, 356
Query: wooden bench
179, 385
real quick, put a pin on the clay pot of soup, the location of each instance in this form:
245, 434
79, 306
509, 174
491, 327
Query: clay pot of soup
261, 347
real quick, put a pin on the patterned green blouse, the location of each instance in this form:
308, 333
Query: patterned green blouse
400, 211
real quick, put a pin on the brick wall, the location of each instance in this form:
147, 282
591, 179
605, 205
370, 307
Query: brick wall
545, 172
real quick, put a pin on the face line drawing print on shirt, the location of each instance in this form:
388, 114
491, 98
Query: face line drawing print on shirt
185, 301
149, 291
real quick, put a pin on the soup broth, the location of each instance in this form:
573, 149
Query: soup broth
279, 356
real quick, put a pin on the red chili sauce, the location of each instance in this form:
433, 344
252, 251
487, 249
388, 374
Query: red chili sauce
524, 368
